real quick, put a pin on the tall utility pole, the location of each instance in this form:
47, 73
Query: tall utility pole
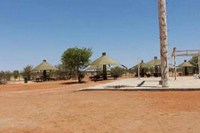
163, 42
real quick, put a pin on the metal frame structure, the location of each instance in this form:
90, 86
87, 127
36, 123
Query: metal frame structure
176, 53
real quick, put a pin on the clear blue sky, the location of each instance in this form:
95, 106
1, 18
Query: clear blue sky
33, 30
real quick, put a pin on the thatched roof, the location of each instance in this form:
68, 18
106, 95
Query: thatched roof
185, 64
104, 60
154, 62
44, 66
141, 64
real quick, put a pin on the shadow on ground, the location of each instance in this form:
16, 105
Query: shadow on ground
73, 82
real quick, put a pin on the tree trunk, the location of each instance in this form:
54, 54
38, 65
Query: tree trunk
79, 78
79, 75
163, 42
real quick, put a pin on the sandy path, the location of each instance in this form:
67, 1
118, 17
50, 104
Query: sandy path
64, 111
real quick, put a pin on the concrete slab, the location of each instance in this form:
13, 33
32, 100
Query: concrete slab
134, 84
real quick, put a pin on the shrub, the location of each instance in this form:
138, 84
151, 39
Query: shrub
27, 71
117, 72
8, 75
16, 74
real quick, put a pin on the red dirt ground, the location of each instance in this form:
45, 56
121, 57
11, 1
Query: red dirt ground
54, 107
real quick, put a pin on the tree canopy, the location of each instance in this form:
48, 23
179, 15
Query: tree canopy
27, 71
75, 59
194, 62
16, 74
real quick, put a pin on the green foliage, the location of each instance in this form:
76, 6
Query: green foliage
194, 62
144, 70
117, 71
27, 71
2, 76
61, 73
16, 74
75, 59
5, 76
132, 71
8, 75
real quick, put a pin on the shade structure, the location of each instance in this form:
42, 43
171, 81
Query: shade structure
44, 66
102, 62
92, 67
154, 62
141, 64
185, 65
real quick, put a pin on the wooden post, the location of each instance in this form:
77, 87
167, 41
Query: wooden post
199, 63
104, 72
174, 57
104, 69
175, 67
163, 42
138, 68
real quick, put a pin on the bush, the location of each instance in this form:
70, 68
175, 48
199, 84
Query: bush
117, 72
61, 73
8, 75
194, 62
27, 71
16, 74
5, 76
2, 76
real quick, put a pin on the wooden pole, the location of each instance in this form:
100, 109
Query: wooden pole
163, 42
199, 63
104, 68
138, 68
174, 57
104, 72
175, 67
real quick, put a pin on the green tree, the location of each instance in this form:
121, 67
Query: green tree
16, 74
194, 62
2, 76
75, 59
7, 75
27, 71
